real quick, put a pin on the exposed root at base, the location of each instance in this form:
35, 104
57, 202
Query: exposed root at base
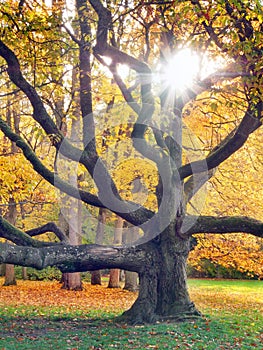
140, 319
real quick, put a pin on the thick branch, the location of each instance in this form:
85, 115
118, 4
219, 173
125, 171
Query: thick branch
195, 182
144, 72
85, 78
75, 258
227, 224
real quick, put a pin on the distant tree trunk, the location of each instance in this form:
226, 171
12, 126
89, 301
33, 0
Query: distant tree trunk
96, 275
131, 281
11, 215
72, 281
10, 279
131, 278
122, 275
114, 281
24, 273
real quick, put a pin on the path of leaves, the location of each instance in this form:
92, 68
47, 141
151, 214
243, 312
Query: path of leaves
40, 293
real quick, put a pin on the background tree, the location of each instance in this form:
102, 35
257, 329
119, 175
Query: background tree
227, 33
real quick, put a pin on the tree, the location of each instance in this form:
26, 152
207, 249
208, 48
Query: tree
140, 37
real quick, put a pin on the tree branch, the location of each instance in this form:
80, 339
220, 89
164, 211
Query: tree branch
195, 182
19, 237
227, 224
48, 175
233, 142
49, 227
39, 111
230, 72
129, 211
144, 72
76, 258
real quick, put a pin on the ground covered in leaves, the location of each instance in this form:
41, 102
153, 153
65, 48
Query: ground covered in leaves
40, 315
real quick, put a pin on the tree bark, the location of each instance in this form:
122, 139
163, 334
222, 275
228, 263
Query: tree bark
163, 292
72, 281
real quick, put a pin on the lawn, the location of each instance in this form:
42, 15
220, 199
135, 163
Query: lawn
39, 315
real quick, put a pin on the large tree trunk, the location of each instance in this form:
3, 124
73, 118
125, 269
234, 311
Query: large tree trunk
163, 292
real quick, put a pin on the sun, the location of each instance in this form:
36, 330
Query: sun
181, 70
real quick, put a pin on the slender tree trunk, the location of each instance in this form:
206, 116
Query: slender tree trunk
10, 279
2, 270
72, 281
131, 281
11, 216
114, 281
96, 275
131, 278
24, 273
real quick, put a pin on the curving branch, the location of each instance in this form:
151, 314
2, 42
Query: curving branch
102, 48
226, 224
129, 211
232, 71
13, 234
49, 227
42, 170
195, 182
39, 111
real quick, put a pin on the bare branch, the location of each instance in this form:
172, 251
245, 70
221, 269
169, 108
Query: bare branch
227, 224
229, 72
17, 236
39, 111
233, 142
49, 227
42, 170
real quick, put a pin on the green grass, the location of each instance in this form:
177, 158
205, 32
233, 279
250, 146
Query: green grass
226, 325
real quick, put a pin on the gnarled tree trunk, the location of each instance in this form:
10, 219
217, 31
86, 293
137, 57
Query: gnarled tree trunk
163, 292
